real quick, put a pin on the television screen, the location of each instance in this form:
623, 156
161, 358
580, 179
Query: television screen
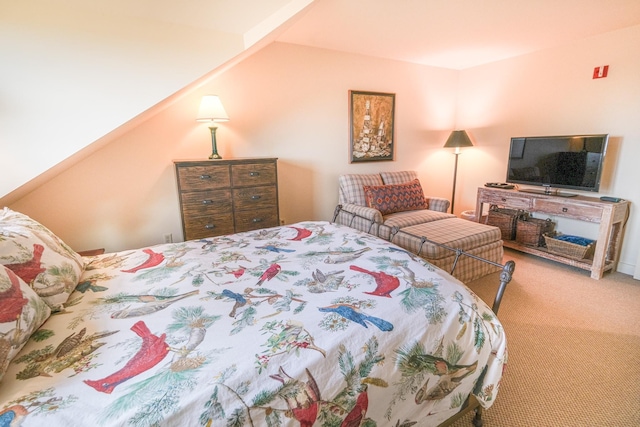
573, 161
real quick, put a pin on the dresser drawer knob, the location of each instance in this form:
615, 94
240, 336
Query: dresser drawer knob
205, 176
255, 220
256, 197
565, 210
504, 199
207, 202
209, 226
254, 173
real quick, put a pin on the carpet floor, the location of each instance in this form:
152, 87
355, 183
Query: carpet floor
574, 347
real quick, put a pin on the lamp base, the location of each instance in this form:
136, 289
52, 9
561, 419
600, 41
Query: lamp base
214, 154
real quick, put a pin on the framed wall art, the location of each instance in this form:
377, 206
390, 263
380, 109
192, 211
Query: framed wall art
371, 120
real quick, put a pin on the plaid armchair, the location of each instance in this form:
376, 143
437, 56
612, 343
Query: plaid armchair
352, 198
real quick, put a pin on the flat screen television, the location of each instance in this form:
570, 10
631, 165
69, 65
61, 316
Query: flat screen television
553, 162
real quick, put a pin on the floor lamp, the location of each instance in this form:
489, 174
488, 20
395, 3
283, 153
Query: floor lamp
457, 139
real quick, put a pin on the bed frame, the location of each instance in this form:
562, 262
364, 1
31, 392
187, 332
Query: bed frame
506, 275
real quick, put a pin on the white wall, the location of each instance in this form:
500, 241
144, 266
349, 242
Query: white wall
552, 92
285, 101
291, 102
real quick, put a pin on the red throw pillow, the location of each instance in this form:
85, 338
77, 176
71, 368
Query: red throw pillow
395, 198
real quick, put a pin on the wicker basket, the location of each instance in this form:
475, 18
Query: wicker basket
568, 249
504, 219
529, 230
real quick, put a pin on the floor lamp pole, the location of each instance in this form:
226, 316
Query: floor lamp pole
457, 139
455, 173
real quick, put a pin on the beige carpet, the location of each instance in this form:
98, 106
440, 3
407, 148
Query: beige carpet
574, 347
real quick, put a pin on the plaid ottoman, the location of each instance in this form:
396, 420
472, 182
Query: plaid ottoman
477, 239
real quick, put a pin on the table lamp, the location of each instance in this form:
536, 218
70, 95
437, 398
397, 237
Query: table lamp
212, 111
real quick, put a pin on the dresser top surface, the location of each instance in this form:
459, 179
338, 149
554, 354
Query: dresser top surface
239, 160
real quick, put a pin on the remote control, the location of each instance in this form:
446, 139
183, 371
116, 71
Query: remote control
499, 185
610, 199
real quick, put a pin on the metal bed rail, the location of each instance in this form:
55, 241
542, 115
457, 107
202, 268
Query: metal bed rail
507, 268
506, 275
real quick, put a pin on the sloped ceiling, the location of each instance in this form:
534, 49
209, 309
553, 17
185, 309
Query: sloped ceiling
75, 73
229, 16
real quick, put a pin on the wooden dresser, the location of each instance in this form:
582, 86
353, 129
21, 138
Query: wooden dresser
227, 196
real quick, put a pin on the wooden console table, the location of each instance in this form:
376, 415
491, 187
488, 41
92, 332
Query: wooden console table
611, 217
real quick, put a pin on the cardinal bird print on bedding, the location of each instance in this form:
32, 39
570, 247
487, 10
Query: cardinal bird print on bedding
312, 324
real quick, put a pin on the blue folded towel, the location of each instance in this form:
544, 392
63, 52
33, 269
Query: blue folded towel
582, 241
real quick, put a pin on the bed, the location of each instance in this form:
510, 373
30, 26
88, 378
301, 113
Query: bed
311, 323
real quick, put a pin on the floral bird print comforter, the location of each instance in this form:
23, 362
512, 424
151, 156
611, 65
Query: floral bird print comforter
299, 325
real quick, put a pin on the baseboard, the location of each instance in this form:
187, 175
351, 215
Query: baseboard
626, 268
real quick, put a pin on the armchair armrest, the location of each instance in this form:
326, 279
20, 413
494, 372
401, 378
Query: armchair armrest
439, 204
366, 212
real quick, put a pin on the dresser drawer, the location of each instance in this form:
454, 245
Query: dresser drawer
254, 198
507, 200
582, 211
253, 174
199, 203
207, 226
254, 219
192, 178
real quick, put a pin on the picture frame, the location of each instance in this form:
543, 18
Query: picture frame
371, 126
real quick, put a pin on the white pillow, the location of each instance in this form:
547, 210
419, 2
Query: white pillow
39, 257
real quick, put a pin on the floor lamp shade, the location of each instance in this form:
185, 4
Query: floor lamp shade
457, 140
212, 111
